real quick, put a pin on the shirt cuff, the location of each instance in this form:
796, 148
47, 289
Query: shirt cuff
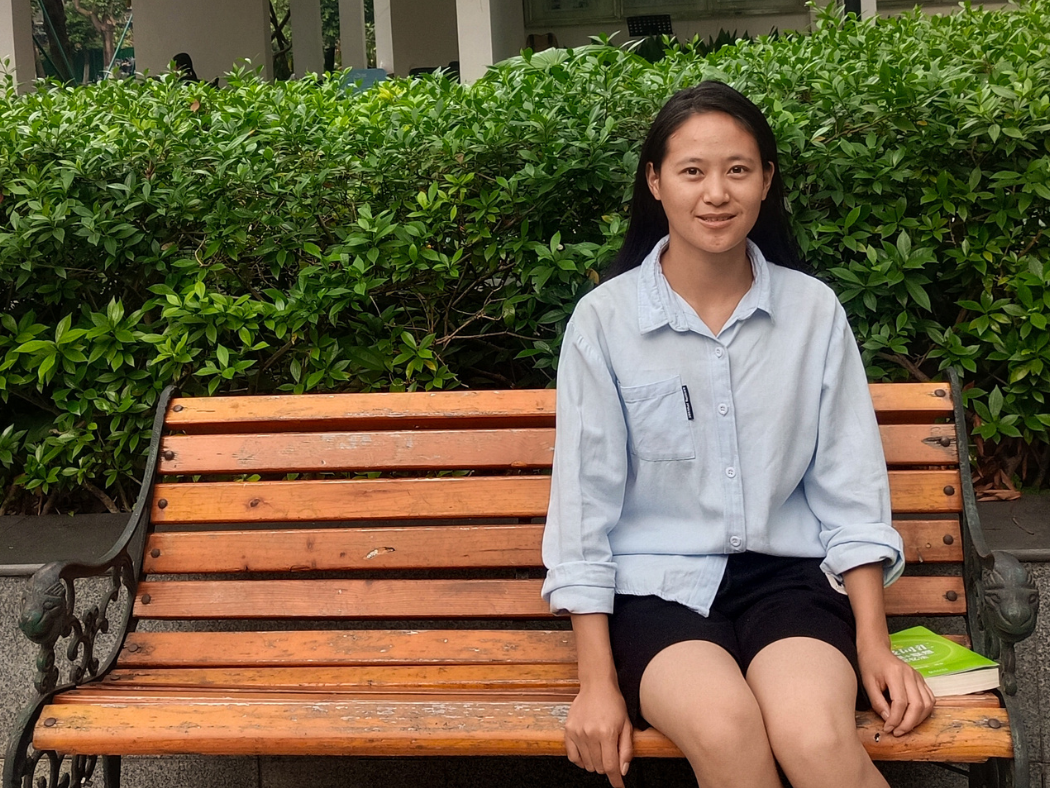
581, 587
846, 554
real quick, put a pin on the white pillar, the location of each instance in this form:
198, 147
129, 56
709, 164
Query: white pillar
352, 33
489, 31
868, 9
16, 42
384, 36
415, 34
216, 35
307, 41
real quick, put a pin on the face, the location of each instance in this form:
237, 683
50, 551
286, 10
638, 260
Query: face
711, 184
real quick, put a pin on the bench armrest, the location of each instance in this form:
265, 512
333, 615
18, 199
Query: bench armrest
48, 614
1002, 597
48, 611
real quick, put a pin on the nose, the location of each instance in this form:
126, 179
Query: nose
716, 191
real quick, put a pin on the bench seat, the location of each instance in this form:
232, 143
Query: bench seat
360, 574
151, 720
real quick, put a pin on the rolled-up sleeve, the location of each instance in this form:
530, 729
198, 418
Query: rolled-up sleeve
846, 485
587, 486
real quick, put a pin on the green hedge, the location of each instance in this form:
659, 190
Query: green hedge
423, 234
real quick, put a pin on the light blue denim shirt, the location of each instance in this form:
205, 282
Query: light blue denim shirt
676, 447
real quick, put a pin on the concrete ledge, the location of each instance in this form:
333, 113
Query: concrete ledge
27, 543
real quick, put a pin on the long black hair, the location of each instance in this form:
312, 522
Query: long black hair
648, 222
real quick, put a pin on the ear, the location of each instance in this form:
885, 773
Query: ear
652, 177
767, 177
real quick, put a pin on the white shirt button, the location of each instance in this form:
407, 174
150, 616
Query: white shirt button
731, 472
735, 541
723, 409
719, 352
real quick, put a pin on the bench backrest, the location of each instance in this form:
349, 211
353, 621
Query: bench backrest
413, 507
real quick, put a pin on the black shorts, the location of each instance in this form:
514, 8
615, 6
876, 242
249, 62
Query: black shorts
762, 599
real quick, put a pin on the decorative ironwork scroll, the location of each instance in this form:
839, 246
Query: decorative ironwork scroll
49, 614
56, 773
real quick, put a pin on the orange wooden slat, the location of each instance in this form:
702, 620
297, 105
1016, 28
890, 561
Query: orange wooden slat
496, 677
342, 599
411, 547
357, 647
926, 491
451, 497
421, 547
361, 647
352, 499
919, 444
348, 647
523, 407
934, 595
287, 452
415, 547
96, 693
431, 726
290, 413
930, 541
918, 400
364, 599
976, 700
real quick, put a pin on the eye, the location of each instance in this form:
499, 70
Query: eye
738, 169
692, 171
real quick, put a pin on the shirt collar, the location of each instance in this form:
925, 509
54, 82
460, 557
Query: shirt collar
658, 305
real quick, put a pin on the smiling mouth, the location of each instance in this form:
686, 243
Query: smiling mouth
716, 219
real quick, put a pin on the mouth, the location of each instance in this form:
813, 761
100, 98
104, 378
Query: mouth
716, 220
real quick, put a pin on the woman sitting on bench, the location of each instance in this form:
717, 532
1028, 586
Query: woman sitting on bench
719, 524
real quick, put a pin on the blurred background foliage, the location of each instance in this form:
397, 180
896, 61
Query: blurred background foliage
424, 234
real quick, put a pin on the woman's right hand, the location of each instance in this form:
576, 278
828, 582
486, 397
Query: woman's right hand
598, 732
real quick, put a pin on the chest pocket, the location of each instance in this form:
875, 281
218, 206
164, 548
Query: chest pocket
658, 426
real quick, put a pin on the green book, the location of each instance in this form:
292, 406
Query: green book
949, 669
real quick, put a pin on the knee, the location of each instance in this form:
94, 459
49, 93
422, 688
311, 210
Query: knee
809, 746
727, 731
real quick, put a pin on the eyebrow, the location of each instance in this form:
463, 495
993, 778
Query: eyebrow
696, 159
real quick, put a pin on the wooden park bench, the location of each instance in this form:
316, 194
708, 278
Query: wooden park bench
360, 574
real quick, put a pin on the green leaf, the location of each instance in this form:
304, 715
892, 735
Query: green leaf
918, 294
904, 245
995, 402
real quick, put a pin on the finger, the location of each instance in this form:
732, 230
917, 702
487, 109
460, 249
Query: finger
931, 698
573, 752
626, 747
916, 706
583, 744
877, 698
611, 762
898, 703
594, 755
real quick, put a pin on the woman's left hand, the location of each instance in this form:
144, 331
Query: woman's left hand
911, 701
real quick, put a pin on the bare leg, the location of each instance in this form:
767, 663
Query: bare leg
807, 691
693, 693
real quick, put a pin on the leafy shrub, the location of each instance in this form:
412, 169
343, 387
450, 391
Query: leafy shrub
424, 234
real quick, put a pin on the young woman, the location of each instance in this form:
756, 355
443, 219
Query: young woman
719, 523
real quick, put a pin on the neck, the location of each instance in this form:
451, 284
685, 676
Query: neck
707, 280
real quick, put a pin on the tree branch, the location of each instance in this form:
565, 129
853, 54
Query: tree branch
95, 21
907, 363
